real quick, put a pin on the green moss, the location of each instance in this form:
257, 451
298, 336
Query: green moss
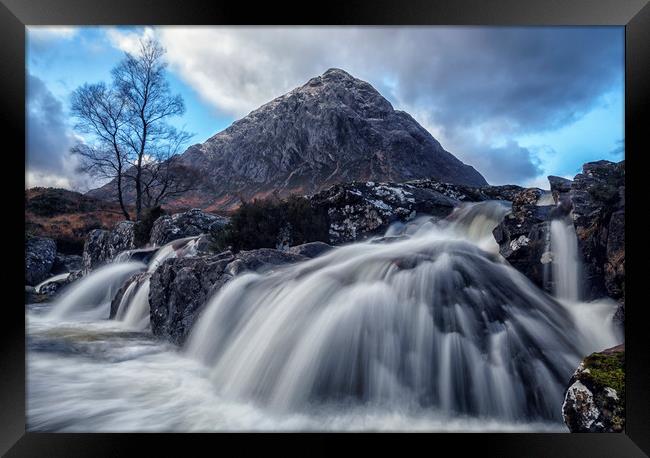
608, 370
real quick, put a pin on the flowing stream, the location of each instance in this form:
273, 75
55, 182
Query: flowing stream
426, 328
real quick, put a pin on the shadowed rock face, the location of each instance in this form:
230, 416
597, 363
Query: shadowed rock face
333, 129
598, 198
180, 287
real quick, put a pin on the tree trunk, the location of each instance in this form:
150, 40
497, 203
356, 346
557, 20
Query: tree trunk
138, 193
119, 196
138, 174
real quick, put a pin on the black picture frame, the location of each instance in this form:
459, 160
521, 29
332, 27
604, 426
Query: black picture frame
633, 14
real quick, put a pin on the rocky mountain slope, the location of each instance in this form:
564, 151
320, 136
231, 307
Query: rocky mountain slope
334, 129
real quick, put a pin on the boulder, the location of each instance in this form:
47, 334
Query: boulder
49, 289
598, 208
311, 249
103, 246
180, 287
595, 398
359, 210
181, 225
523, 236
40, 254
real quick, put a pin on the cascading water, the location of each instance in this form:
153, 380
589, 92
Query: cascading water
133, 310
90, 298
429, 320
567, 281
566, 265
427, 328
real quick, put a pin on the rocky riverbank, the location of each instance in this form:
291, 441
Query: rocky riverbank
180, 287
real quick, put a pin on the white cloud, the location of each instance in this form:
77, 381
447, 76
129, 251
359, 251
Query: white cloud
128, 41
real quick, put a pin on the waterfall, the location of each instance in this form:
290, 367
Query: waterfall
427, 325
133, 311
566, 264
137, 313
433, 319
90, 297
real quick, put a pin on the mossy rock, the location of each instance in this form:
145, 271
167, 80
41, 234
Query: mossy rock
607, 370
595, 397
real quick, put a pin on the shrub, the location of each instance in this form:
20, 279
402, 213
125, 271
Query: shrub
268, 223
142, 228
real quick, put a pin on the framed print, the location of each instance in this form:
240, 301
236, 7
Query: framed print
379, 219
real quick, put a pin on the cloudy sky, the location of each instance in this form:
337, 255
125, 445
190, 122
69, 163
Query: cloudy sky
516, 103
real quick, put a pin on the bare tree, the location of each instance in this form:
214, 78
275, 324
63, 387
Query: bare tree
101, 112
141, 82
130, 139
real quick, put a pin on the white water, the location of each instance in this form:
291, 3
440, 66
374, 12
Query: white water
133, 310
90, 299
432, 320
566, 265
434, 332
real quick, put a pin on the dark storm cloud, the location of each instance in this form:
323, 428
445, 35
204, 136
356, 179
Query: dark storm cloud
531, 79
48, 137
472, 87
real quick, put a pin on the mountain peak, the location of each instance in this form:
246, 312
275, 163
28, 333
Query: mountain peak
336, 73
333, 76
333, 129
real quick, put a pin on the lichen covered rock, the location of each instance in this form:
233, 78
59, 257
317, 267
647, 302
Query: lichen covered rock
102, 246
40, 253
180, 225
595, 398
359, 210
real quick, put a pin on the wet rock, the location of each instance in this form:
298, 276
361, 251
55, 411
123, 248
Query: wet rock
181, 225
103, 246
180, 287
50, 289
523, 236
261, 260
40, 253
595, 398
311, 249
598, 200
